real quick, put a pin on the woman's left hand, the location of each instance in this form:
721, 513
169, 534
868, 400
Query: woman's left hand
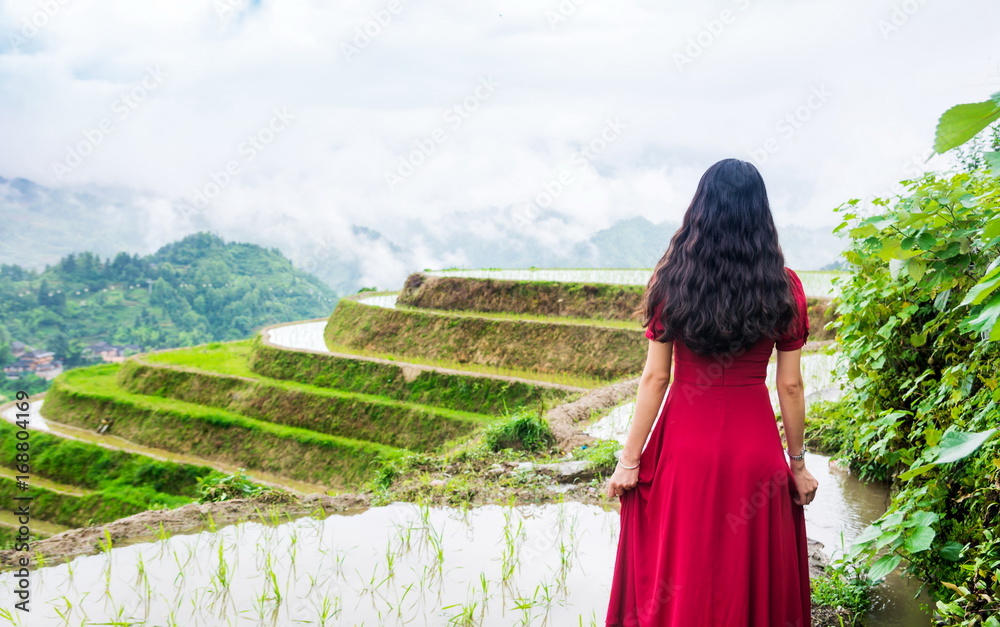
621, 480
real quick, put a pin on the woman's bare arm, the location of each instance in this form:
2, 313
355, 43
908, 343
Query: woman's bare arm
652, 386
792, 400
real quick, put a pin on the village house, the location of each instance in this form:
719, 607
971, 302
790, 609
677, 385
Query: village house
18, 348
39, 362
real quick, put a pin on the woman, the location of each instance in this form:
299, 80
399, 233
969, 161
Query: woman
712, 526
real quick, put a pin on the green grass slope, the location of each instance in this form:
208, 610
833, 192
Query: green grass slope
83, 397
334, 412
94, 467
574, 349
464, 392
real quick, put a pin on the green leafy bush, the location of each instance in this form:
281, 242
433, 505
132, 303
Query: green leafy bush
917, 324
522, 430
222, 487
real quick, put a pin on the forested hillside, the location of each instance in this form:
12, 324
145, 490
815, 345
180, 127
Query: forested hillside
199, 289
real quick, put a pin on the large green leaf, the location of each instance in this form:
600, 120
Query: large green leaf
922, 519
962, 122
956, 445
868, 534
885, 565
920, 540
951, 551
916, 472
984, 288
987, 319
992, 228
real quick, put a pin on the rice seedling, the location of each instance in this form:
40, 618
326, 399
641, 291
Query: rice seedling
390, 560
329, 610
9, 617
466, 616
64, 609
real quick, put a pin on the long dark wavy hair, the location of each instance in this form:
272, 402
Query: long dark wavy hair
723, 278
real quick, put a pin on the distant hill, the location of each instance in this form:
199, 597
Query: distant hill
196, 290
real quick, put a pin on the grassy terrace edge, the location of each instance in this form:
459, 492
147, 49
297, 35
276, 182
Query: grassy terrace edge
90, 466
608, 302
353, 415
472, 392
73, 510
593, 352
84, 396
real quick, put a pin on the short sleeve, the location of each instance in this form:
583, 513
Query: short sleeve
797, 334
655, 327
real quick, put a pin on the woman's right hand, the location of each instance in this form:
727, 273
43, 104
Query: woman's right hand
805, 484
621, 480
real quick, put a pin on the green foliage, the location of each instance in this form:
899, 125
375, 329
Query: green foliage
465, 392
918, 324
962, 122
192, 291
602, 455
83, 396
30, 384
96, 467
845, 589
391, 469
218, 487
595, 354
522, 430
323, 410
829, 432
98, 507
5, 354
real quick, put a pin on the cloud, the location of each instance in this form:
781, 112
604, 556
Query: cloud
368, 81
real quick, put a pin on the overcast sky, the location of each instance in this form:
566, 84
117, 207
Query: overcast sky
336, 113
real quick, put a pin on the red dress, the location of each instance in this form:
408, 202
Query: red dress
710, 536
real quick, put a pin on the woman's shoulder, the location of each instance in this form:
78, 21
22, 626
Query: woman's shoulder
796, 281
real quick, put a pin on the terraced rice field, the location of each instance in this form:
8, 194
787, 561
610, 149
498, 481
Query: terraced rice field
313, 406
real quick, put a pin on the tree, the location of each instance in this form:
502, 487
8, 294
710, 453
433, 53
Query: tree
43, 294
68, 264
58, 344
